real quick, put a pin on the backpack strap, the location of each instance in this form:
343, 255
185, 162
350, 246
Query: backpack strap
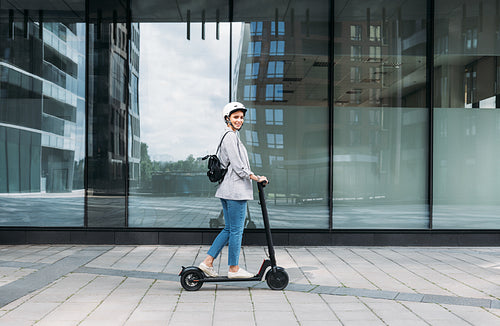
218, 147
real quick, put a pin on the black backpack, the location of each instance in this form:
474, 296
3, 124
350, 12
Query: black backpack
215, 171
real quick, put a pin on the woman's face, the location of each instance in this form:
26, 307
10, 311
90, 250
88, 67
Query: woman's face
236, 119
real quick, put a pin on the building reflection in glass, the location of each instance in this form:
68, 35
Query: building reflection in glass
466, 115
114, 123
282, 78
380, 116
42, 120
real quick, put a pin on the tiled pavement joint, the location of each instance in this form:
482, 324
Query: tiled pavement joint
312, 288
128, 273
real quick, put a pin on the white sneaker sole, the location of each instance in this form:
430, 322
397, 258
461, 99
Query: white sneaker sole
239, 275
207, 270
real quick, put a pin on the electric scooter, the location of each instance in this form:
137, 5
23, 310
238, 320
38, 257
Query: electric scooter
192, 278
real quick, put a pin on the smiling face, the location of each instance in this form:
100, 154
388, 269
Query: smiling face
236, 119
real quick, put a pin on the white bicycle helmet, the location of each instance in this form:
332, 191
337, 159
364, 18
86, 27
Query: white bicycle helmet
232, 107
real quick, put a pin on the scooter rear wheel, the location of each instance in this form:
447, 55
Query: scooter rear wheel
191, 280
277, 279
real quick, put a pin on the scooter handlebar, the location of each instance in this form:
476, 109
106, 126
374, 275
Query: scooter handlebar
262, 184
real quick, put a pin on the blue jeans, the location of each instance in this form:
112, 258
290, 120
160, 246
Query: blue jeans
234, 217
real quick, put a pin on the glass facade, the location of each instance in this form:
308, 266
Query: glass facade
363, 115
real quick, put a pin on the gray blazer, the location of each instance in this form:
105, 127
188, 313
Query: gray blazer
237, 184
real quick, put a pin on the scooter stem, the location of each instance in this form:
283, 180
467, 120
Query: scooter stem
265, 217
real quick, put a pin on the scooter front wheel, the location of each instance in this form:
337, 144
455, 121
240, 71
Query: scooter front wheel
192, 280
277, 278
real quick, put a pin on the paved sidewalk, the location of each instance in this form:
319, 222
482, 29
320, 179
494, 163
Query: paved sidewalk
139, 285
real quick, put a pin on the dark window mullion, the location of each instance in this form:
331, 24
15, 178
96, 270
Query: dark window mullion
430, 101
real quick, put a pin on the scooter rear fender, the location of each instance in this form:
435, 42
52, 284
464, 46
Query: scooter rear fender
191, 268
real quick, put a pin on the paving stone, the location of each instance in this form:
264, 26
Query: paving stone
70, 312
297, 298
7, 321
270, 317
325, 289
190, 318
475, 315
456, 300
235, 317
320, 323
150, 316
495, 304
375, 322
144, 323
433, 313
367, 293
416, 297
356, 315
33, 311
324, 315
198, 306
392, 312
300, 287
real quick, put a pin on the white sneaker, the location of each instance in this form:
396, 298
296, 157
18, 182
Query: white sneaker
241, 273
209, 271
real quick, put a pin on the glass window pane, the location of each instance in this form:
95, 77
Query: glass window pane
269, 92
109, 111
257, 48
279, 68
281, 48
248, 71
297, 94
269, 116
271, 141
255, 70
278, 117
271, 69
278, 92
281, 28
250, 92
272, 48
277, 48
466, 117
381, 121
251, 47
256, 28
180, 122
356, 32
41, 183
251, 116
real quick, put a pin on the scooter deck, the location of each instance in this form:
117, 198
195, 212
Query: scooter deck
227, 279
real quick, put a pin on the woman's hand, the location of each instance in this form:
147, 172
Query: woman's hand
259, 178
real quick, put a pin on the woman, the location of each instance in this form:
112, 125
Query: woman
234, 192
